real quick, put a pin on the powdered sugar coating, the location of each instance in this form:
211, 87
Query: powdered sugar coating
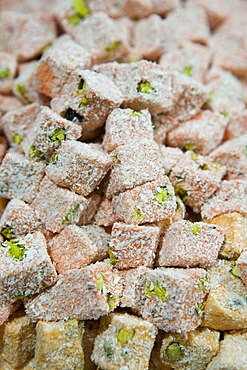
27, 276
79, 166
84, 299
124, 124
136, 163
187, 244
139, 205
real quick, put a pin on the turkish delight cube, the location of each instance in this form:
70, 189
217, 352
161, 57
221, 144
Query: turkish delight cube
230, 37
233, 343
190, 58
18, 340
153, 201
173, 298
225, 307
136, 163
189, 96
25, 35
26, 267
205, 131
102, 37
78, 166
20, 177
132, 246
233, 155
47, 132
190, 351
8, 69
188, 244
7, 103
87, 98
91, 292
148, 37
59, 345
71, 249
217, 11
105, 215
57, 207
170, 157
125, 124
237, 125
17, 123
58, 62
224, 91
230, 197
25, 86
234, 227
18, 219
135, 9
125, 341
100, 238
195, 178
186, 24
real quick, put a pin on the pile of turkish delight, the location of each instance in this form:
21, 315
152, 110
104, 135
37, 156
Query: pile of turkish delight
123, 185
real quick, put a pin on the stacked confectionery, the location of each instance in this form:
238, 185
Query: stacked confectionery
123, 185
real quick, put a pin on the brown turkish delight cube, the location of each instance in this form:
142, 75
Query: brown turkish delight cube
204, 131
230, 197
58, 62
8, 68
187, 244
18, 219
132, 246
25, 35
134, 9
26, 267
18, 340
195, 178
57, 207
124, 124
234, 227
78, 166
47, 132
153, 201
173, 298
59, 344
191, 351
87, 98
135, 163
91, 292
20, 177
120, 334
225, 306
17, 123
190, 58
